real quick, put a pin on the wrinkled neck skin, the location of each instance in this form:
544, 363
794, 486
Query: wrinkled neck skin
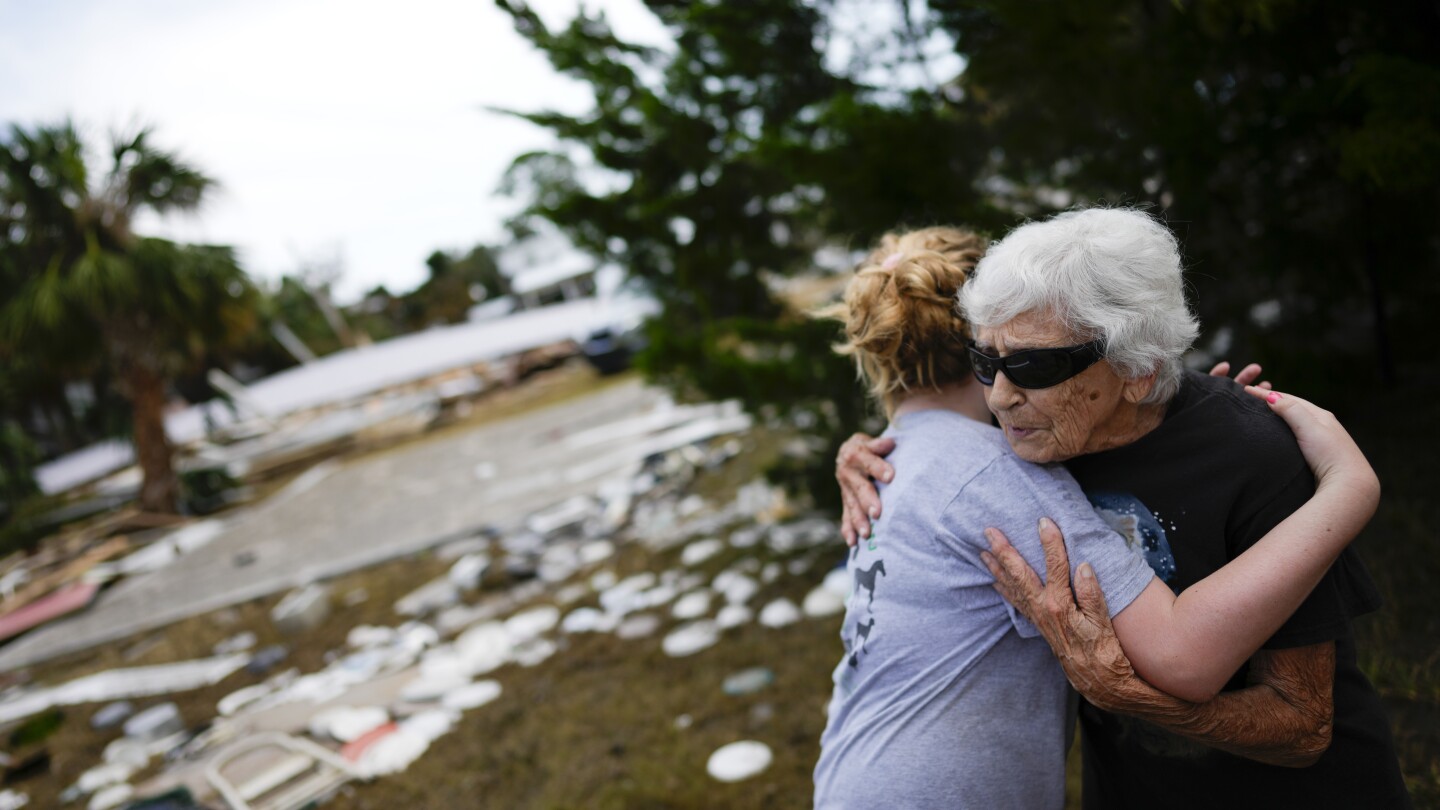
1126, 424
965, 398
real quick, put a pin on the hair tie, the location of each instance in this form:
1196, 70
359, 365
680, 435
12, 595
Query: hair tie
892, 261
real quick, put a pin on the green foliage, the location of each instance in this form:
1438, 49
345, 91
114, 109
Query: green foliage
1291, 145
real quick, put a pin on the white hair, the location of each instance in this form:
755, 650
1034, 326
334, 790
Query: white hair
1109, 274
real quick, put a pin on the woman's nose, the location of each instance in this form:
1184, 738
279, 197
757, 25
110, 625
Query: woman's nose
1004, 394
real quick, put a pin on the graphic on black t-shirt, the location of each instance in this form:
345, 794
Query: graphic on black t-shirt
1140, 528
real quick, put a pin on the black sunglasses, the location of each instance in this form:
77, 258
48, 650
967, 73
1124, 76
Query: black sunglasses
1036, 368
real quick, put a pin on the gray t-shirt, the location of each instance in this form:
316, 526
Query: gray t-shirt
946, 696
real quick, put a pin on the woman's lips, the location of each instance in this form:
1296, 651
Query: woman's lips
1019, 432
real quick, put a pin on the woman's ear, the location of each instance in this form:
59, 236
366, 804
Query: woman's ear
1136, 389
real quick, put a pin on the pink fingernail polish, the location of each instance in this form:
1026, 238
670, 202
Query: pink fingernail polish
1272, 398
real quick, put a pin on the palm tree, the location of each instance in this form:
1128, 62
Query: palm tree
85, 289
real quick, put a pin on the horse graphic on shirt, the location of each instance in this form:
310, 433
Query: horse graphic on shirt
865, 578
862, 635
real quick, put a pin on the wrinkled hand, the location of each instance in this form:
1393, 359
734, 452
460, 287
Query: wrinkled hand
1247, 375
860, 462
1077, 625
1329, 450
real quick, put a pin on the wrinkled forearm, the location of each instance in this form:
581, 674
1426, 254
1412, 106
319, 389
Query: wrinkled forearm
1284, 717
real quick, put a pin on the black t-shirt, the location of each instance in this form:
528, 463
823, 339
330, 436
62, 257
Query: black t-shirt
1196, 492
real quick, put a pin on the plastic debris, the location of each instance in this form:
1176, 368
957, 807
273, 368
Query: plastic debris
240, 642
471, 695
111, 797
603, 580
434, 595
484, 648
748, 681
733, 616
158, 721
589, 620
688, 639
747, 537
368, 635
534, 651
531, 623
12, 800
700, 551
638, 625
103, 776
117, 684
240, 698
266, 659
739, 760
348, 723
823, 601
770, 573
596, 551
467, 571
692, 605
302, 609
111, 715
431, 724
779, 613
735, 586
392, 753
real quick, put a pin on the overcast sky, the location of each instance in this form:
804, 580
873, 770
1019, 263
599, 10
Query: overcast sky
344, 128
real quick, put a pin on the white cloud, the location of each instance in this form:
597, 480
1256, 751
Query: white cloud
331, 124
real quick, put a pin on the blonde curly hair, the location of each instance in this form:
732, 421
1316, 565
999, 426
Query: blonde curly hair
902, 324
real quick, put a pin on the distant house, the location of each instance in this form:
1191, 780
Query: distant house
546, 269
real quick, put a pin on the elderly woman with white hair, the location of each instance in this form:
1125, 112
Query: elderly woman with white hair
1080, 324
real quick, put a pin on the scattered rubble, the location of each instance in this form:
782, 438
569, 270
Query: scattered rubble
739, 760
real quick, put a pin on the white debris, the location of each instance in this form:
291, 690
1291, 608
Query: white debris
574, 592
118, 684
302, 609
659, 595
700, 551
484, 648
683, 722
103, 776
603, 580
735, 586
239, 642
392, 753
779, 613
534, 651
467, 571
368, 635
596, 551
240, 698
127, 752
589, 620
348, 723
733, 616
433, 595
688, 639
692, 605
638, 625
110, 797
12, 800
456, 549
563, 516
158, 721
799, 566
747, 537
839, 581
430, 725
531, 623
822, 602
471, 696
739, 760
770, 573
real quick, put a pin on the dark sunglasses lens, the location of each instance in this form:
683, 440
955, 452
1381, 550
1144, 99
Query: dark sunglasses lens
1040, 368
984, 367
